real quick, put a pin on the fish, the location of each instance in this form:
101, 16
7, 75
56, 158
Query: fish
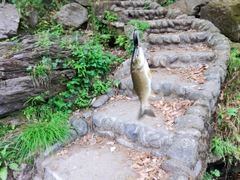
141, 77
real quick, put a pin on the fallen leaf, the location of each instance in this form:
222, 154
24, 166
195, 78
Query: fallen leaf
110, 143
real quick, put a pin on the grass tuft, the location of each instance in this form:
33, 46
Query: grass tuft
37, 136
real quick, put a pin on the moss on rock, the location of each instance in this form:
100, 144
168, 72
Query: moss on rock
225, 16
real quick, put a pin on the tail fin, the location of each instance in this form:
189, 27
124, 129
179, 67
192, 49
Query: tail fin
146, 110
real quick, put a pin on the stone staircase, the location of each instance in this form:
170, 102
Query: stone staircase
187, 57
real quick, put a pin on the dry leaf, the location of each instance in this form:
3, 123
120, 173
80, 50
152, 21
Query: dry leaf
110, 143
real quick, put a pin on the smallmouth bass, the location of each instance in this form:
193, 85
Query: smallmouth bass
141, 77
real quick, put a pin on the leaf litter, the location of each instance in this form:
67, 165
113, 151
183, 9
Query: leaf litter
172, 109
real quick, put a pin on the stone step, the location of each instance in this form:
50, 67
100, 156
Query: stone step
179, 24
89, 160
177, 139
189, 37
179, 59
183, 100
127, 10
187, 83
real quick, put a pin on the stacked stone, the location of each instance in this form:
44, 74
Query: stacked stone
136, 9
186, 148
188, 38
174, 60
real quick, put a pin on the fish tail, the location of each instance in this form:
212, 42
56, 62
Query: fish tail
146, 110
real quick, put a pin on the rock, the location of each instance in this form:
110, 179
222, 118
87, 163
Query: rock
180, 91
198, 111
15, 80
124, 143
107, 123
173, 165
108, 134
97, 120
161, 1
200, 94
166, 88
9, 21
6, 47
131, 131
189, 132
80, 126
111, 92
190, 7
25, 172
100, 101
14, 92
154, 140
73, 136
72, 15
52, 149
225, 15
156, 87
177, 176
87, 114
185, 150
189, 121
119, 126
83, 2
33, 18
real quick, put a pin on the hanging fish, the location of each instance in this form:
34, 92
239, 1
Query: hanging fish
141, 77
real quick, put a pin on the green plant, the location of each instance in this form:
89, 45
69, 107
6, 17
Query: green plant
212, 175
41, 73
90, 61
140, 25
227, 139
25, 7
6, 129
123, 42
146, 5
37, 136
100, 87
7, 156
224, 149
110, 17
168, 2
44, 39
84, 99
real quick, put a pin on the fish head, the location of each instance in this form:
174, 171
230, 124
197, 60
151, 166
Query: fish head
138, 58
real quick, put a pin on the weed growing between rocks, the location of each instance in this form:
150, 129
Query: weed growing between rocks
226, 142
37, 136
168, 2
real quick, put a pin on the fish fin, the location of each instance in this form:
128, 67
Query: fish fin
153, 70
152, 95
146, 110
149, 74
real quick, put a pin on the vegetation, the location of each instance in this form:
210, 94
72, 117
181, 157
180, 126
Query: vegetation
46, 120
226, 142
110, 17
41, 73
140, 25
168, 2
